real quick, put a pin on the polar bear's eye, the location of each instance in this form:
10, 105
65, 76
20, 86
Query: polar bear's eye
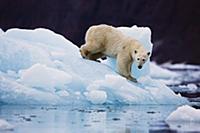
143, 59
135, 51
138, 58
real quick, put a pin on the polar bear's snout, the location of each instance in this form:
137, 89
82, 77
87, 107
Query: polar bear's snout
140, 67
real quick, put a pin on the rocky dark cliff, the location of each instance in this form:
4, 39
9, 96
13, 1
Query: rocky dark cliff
175, 24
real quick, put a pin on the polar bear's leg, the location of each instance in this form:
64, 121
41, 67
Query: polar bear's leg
130, 77
84, 52
91, 50
124, 67
94, 47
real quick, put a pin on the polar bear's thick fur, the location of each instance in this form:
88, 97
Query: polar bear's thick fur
104, 40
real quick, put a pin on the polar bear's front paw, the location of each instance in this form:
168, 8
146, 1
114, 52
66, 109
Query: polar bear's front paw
132, 79
98, 61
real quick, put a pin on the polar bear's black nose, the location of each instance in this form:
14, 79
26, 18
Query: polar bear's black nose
139, 67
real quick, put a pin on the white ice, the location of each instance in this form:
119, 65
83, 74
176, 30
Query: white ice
164, 75
187, 117
161, 73
181, 66
4, 125
192, 87
1, 31
41, 76
185, 113
41, 67
147, 91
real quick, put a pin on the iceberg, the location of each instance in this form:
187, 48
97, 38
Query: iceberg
185, 113
42, 67
187, 117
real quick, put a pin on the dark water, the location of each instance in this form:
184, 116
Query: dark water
104, 118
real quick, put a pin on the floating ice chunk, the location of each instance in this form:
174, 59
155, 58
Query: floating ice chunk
182, 86
41, 76
184, 119
4, 125
192, 87
185, 113
96, 96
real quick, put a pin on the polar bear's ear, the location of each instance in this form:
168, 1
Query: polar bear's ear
135, 51
148, 53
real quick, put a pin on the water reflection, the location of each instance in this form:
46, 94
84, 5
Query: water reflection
70, 119
106, 118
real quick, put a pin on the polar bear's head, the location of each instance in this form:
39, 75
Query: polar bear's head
140, 56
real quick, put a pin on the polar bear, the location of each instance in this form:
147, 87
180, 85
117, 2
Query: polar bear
104, 40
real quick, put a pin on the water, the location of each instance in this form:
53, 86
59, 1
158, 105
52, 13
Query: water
69, 119
102, 118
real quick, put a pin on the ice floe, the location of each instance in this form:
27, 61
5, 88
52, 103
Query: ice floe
42, 67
